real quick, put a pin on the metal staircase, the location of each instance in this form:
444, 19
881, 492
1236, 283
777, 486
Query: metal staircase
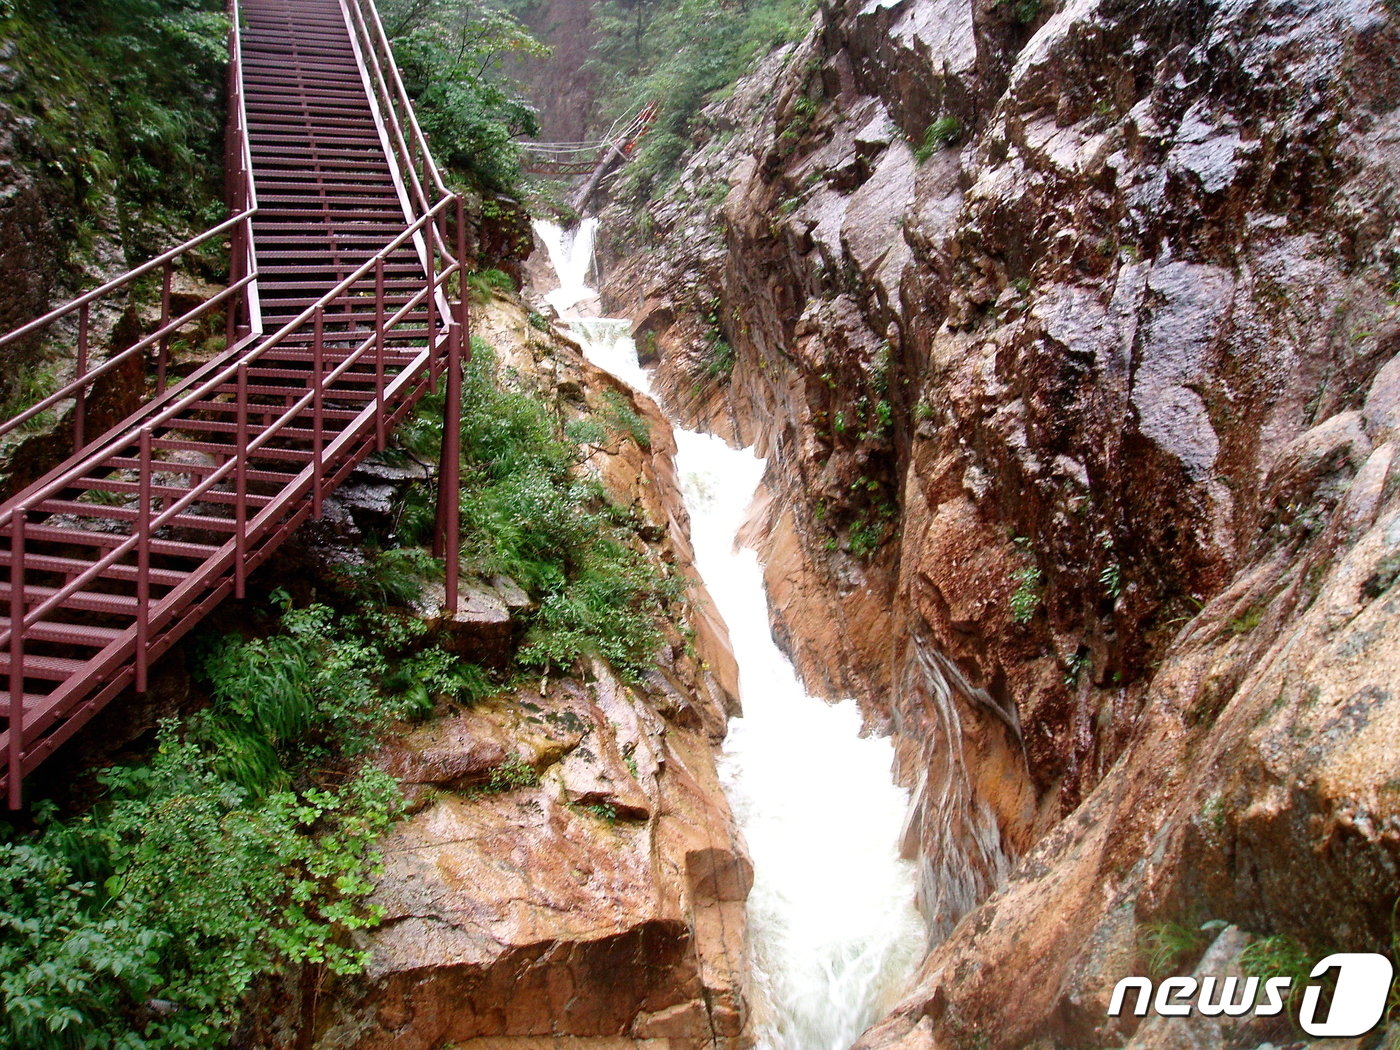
344, 247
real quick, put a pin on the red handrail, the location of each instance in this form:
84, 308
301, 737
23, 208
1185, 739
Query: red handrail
261, 521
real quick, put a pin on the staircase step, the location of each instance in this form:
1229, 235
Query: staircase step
47, 668
80, 635
86, 601
86, 538
75, 566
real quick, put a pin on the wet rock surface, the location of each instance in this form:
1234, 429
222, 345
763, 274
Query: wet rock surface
570, 874
1069, 331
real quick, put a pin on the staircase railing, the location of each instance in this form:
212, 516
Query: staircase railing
407, 142
259, 522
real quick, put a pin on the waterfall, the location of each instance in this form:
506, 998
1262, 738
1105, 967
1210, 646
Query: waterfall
571, 255
832, 925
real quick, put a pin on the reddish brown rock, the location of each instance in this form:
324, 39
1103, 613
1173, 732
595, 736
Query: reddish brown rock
1081, 460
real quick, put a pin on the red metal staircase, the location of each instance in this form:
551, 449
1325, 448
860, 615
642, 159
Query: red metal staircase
344, 247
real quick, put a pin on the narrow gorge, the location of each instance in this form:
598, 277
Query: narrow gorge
925, 504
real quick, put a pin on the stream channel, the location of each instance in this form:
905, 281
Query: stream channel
832, 926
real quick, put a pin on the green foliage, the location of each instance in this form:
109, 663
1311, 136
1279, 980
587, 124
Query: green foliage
1075, 666
604, 811
1279, 956
120, 95
679, 54
450, 53
513, 773
484, 284
526, 514
225, 857
1249, 619
25, 387
1276, 956
1023, 11
864, 538
1025, 600
943, 132
184, 885
1111, 579
622, 418
1168, 948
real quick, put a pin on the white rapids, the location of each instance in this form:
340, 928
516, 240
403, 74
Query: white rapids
832, 925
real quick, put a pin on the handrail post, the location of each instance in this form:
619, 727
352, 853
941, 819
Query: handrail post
235, 273
15, 758
143, 558
164, 353
80, 398
434, 365
379, 435
317, 407
240, 489
449, 467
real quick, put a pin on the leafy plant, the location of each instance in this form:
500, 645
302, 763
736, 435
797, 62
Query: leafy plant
1169, 948
513, 773
942, 133
1111, 579
485, 283
622, 418
1025, 599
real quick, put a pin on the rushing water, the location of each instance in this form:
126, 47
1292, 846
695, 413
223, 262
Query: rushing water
831, 917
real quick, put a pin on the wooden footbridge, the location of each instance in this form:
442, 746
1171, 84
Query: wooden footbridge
344, 305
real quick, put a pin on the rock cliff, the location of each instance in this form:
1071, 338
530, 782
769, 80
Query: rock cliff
571, 873
1070, 333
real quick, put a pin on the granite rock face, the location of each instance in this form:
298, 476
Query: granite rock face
571, 873
1070, 333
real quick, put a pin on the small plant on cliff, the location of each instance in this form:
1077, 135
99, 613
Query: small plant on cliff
484, 284
943, 132
1168, 948
1024, 11
1025, 599
622, 418
513, 773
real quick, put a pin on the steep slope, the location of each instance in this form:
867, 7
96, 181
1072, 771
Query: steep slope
1070, 333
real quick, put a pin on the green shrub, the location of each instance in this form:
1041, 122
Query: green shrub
681, 55
943, 132
451, 55
527, 514
1025, 600
483, 284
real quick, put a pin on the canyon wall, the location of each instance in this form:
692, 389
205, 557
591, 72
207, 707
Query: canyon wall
1069, 332
570, 873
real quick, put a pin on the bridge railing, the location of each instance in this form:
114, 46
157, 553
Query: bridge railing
238, 300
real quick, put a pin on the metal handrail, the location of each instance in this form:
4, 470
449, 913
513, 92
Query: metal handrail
230, 371
371, 31
446, 347
308, 400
